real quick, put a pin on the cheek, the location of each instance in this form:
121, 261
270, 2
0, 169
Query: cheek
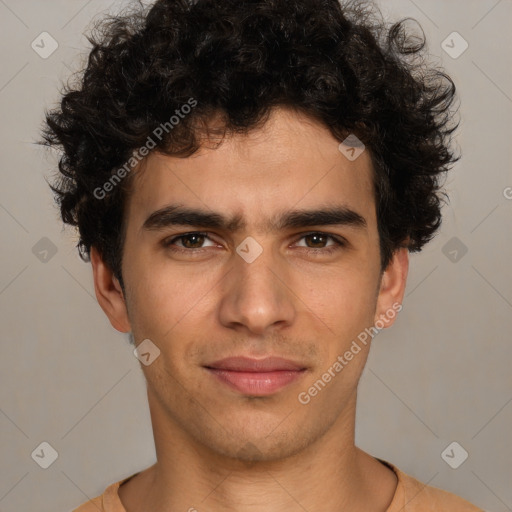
167, 298
164, 298
344, 298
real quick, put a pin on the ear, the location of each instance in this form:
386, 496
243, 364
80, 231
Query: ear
109, 293
392, 288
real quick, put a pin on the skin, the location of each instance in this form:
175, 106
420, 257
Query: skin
218, 449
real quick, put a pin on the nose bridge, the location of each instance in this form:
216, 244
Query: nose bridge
255, 294
258, 276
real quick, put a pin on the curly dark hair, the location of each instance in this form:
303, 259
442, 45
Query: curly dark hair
340, 64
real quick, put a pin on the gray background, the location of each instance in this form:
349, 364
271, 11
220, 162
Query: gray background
440, 374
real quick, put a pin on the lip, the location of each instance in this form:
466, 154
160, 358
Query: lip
248, 364
256, 377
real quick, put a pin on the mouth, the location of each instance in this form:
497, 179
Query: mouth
256, 377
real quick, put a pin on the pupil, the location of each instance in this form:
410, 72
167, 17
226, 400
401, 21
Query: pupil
189, 237
316, 237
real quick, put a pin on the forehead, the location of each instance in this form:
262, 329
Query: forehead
291, 162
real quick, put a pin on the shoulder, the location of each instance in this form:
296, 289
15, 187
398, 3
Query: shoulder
107, 502
414, 496
93, 505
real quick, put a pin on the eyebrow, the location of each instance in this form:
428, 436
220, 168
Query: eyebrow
179, 215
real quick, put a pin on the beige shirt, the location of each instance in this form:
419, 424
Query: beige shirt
410, 496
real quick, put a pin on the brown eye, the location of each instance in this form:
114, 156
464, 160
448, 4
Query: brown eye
192, 241
317, 242
188, 241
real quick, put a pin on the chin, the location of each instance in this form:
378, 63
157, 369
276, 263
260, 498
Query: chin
249, 448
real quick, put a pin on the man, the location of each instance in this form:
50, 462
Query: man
248, 177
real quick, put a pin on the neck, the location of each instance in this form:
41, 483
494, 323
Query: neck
189, 475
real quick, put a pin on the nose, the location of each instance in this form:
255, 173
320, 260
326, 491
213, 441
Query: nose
256, 296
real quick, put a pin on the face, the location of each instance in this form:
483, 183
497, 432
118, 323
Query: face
254, 281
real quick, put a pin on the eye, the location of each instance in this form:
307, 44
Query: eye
194, 242
319, 239
188, 241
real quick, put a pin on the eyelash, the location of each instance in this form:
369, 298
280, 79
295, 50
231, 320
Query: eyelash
339, 243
